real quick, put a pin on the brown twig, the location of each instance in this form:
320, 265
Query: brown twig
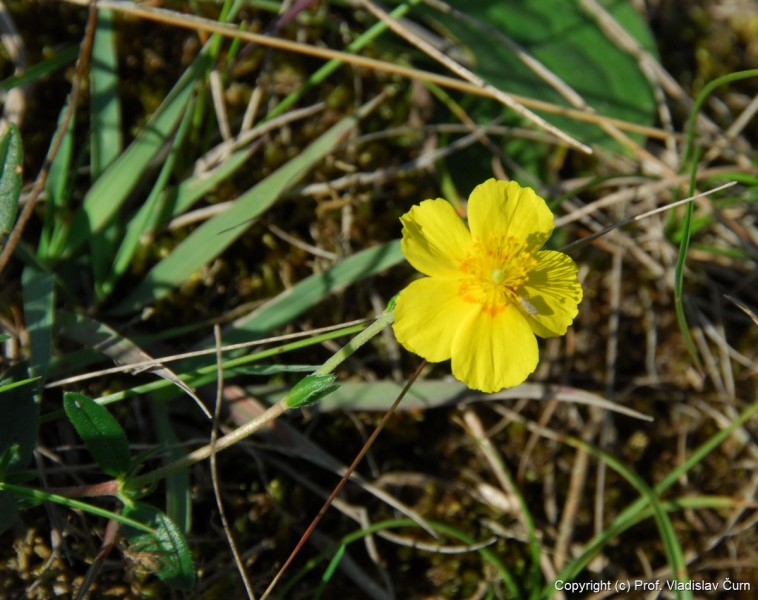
344, 479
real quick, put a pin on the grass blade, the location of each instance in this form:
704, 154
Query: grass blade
293, 302
111, 190
147, 216
105, 139
215, 235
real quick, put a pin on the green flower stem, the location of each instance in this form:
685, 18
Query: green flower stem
322, 384
386, 318
43, 496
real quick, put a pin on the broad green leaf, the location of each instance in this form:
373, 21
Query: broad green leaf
100, 432
39, 306
11, 169
568, 41
20, 418
105, 119
167, 550
215, 235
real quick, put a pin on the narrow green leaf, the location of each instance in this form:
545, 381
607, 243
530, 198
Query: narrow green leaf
106, 138
57, 186
168, 546
110, 191
633, 513
192, 189
331, 569
11, 169
100, 432
147, 216
20, 418
445, 530
178, 496
671, 545
36, 72
123, 351
289, 304
203, 375
214, 236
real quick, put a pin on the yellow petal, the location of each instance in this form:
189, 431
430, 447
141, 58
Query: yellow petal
427, 314
435, 239
492, 352
554, 292
498, 208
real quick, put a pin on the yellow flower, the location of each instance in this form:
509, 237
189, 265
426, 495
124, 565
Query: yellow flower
489, 289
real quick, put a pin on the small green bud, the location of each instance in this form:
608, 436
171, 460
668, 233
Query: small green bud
310, 390
392, 302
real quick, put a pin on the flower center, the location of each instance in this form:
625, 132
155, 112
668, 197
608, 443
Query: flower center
494, 272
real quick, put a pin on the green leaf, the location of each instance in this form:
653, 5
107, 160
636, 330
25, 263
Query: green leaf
167, 550
215, 235
181, 198
20, 418
58, 186
568, 41
106, 196
178, 488
310, 389
147, 217
106, 139
100, 432
41, 70
289, 304
8, 510
11, 169
123, 351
